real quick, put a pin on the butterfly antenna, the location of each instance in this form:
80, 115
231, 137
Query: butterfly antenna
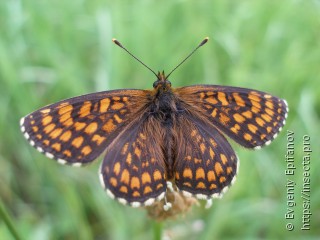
120, 45
204, 41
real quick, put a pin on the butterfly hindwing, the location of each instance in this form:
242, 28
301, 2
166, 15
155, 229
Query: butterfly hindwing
133, 170
77, 130
205, 163
250, 117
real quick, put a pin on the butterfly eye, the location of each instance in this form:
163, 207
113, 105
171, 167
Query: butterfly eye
155, 84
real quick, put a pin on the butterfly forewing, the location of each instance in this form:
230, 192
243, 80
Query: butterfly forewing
205, 163
133, 169
250, 117
78, 130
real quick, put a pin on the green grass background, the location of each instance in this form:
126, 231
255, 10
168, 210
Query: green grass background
51, 50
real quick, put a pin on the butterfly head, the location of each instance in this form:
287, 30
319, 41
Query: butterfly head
162, 83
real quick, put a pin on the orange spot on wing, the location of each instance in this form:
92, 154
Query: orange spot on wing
66, 120
201, 185
91, 128
269, 129
229, 170
202, 148
124, 149
104, 105
197, 160
113, 181
211, 176
116, 98
252, 128
235, 128
260, 121
193, 133
65, 108
77, 142
56, 146
46, 142
255, 104
117, 105
200, 173
160, 185
49, 128
266, 117
35, 129
223, 158
86, 150
247, 136
98, 139
109, 126
66, 136
129, 159
254, 96
116, 168
211, 152
269, 112
224, 119
136, 194
213, 143
247, 114
238, 118
222, 98
135, 183
85, 109
147, 190
137, 152
67, 153
218, 168
212, 186
187, 173
157, 175
222, 179
79, 125
269, 104
142, 136
125, 177
211, 100
117, 118
55, 133
239, 100
123, 189
146, 178
46, 120
214, 112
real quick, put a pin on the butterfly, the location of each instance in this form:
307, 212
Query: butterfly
159, 140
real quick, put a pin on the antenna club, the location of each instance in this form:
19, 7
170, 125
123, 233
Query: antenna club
204, 41
117, 42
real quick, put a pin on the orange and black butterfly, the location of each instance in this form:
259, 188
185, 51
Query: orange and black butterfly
158, 140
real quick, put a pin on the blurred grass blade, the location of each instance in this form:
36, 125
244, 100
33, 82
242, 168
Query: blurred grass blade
7, 220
